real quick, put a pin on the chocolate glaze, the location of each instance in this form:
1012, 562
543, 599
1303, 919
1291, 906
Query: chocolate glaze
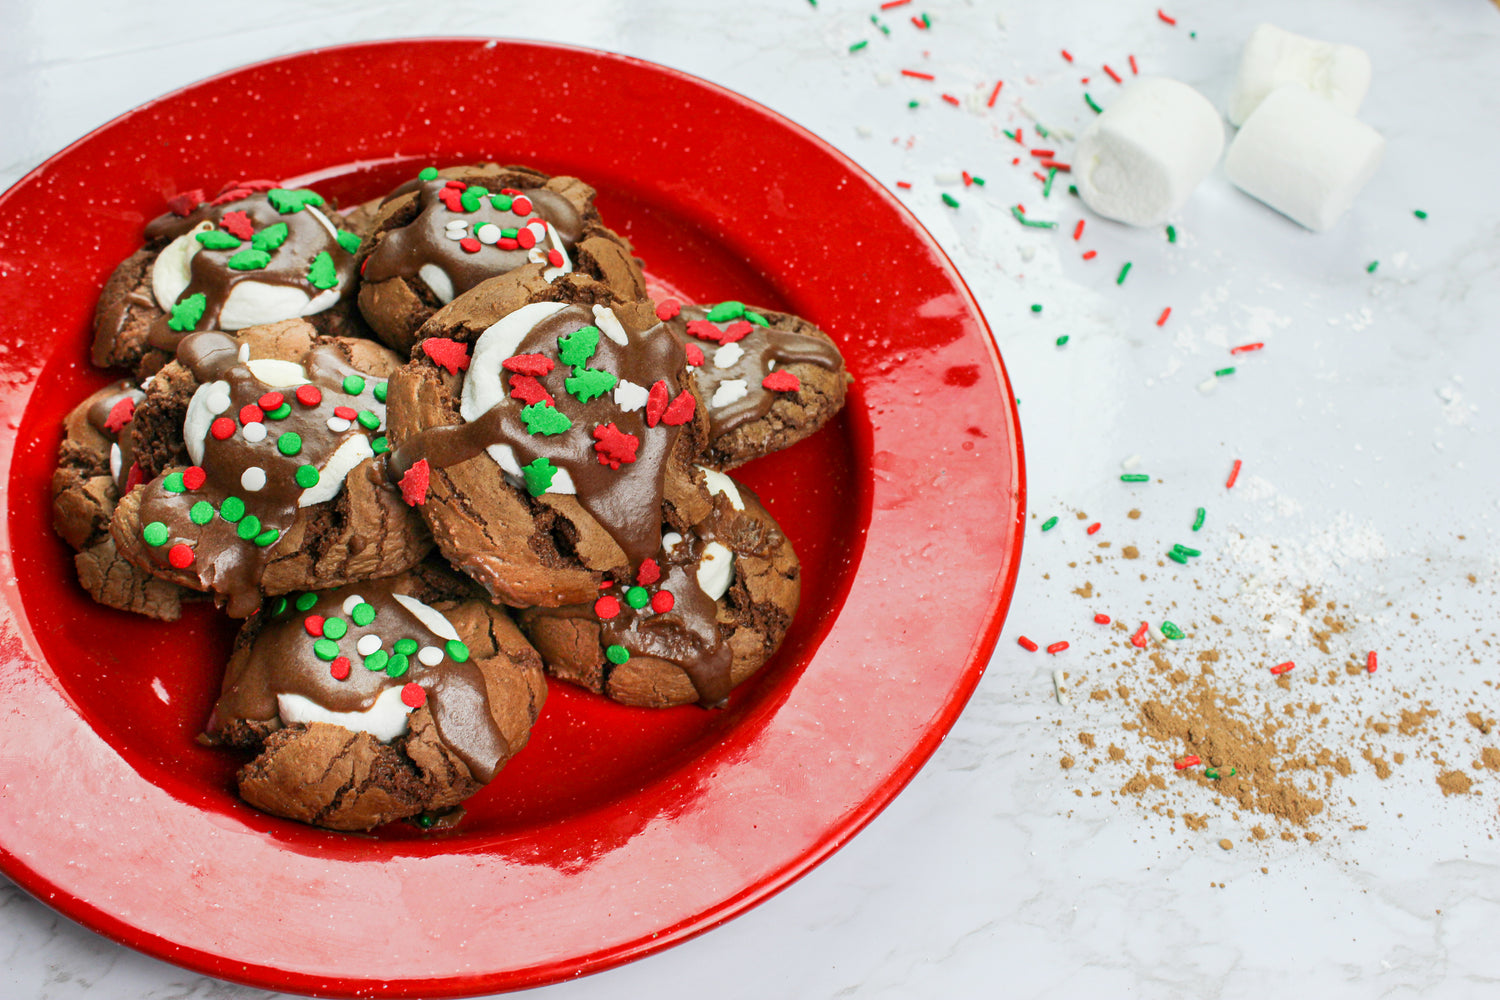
761, 346
306, 238
401, 252
626, 502
282, 661
223, 562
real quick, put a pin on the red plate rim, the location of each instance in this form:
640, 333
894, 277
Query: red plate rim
935, 423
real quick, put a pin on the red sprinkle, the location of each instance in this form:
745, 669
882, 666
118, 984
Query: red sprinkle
1091, 255
1112, 74
455, 186
1282, 668
656, 402
193, 477
738, 330
994, 94
450, 197
1134, 69
921, 24
231, 194
606, 584
470, 245
968, 178
251, 414
528, 390
904, 185
782, 381
694, 355
614, 446
1164, 17
1018, 137
668, 309
181, 556
662, 601
238, 224
1067, 55
119, 415
1043, 154
1078, 230
951, 100
345, 412
1094, 527
607, 606
1039, 176
1370, 663
914, 74
313, 624
309, 395
1026, 644
1162, 319
1060, 167
414, 484
535, 365
1247, 348
1192, 760
339, 668
648, 574
1139, 639
184, 203
1234, 474
521, 205
1101, 619
222, 429
449, 354
271, 401
134, 477
260, 185
412, 696
1057, 647
525, 239
504, 243
681, 410
893, 4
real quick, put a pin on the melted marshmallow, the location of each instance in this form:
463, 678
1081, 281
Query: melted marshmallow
437, 279
715, 570
718, 483
385, 720
332, 475
172, 271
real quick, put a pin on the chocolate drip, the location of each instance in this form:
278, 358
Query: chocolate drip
761, 346
212, 276
225, 561
402, 252
627, 501
282, 660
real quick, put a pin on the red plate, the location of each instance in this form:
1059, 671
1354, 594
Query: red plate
617, 832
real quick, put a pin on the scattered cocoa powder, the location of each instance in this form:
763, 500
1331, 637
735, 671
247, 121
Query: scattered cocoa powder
1454, 783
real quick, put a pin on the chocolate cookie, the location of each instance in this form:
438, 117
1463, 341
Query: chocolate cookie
701, 617
255, 253
769, 378
381, 700
94, 467
286, 487
551, 458
439, 236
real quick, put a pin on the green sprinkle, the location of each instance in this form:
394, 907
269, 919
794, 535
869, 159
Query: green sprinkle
269, 238
858, 45
380, 445
289, 202
617, 654
349, 241
756, 318
280, 606
232, 509
156, 534
1224, 371
335, 628
1420, 214
1036, 307
323, 274
509, 232
876, 21
1213, 772
248, 527
637, 597
926, 21
457, 651
469, 199
1073, 190
1041, 131
1090, 102
1135, 477
377, 660
538, 475
501, 203
289, 444
363, 614
913, 103
540, 418
173, 483
398, 665
1062, 340
306, 601
1198, 521
977, 180
353, 385
725, 311
1047, 187
281, 412
1008, 134
589, 383
405, 646
425, 821
1190, 553
1123, 272
249, 260
306, 475
949, 200
368, 420
1171, 631
218, 239
427, 174
187, 313
201, 512
325, 649
1177, 557
381, 390
1033, 223
1373, 265
1049, 524
578, 347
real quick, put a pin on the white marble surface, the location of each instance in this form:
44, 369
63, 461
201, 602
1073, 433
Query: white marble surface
1368, 428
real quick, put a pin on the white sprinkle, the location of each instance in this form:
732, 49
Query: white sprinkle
1130, 462
254, 479
338, 425
864, 131
488, 233
1060, 686
458, 224
351, 602
1156, 634
368, 643
538, 229
255, 433
726, 356
430, 656
455, 234
1209, 384
730, 391
629, 396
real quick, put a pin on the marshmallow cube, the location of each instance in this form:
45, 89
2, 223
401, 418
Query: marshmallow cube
1139, 161
1273, 58
1304, 157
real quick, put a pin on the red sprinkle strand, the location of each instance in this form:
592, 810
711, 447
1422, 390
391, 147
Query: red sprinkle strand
917, 74
1026, 644
413, 696
193, 477
782, 381
1058, 165
1370, 663
119, 415
1192, 760
1164, 17
607, 606
1246, 348
1234, 474
995, 94
1101, 619
181, 556
339, 668
668, 309
1134, 69
1078, 230
1139, 639
1282, 668
1067, 55
1091, 255
1162, 319
921, 24
1044, 154
904, 185
450, 354
951, 100
1057, 647
414, 484
614, 446
662, 601
1112, 74
893, 4
1094, 527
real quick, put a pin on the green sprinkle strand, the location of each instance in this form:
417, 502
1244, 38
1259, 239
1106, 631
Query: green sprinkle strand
1213, 772
1135, 477
1224, 371
1033, 223
1041, 131
1062, 340
1198, 521
1120, 280
1186, 551
1171, 234
1420, 214
1172, 631
977, 180
949, 200
876, 21
914, 103
1047, 187
1177, 557
280, 606
1049, 524
1036, 307
1090, 102
859, 45
1373, 265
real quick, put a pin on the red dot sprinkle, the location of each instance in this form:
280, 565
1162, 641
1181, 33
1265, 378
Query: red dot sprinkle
339, 668
521, 205
1192, 760
251, 414
470, 245
525, 239
506, 243
456, 185
413, 696
194, 477
1370, 662
668, 309
662, 601
271, 401
606, 607
222, 429
309, 395
1282, 668
180, 556
313, 624
345, 412
555, 258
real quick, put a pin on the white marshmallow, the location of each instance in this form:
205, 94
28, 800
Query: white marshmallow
1139, 161
1303, 156
1273, 57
